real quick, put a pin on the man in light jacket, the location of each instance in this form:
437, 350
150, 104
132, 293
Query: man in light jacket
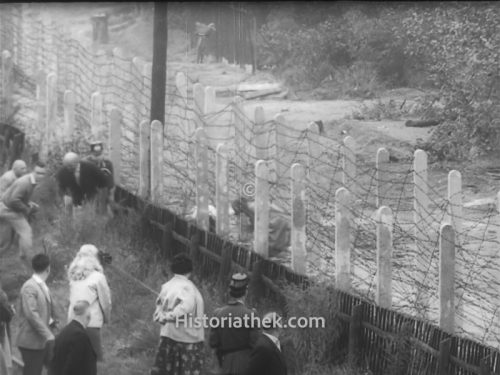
18, 170
35, 338
16, 207
8, 178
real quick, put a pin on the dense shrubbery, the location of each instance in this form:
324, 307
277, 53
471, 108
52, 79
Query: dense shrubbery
363, 48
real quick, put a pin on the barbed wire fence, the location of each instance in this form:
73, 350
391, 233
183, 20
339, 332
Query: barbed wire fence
124, 83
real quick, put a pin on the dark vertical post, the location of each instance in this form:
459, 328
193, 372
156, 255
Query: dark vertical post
235, 39
217, 38
355, 336
444, 357
159, 73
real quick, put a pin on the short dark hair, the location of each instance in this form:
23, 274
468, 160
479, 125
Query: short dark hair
40, 262
181, 264
40, 164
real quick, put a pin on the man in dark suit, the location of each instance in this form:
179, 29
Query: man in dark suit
73, 352
266, 357
35, 338
80, 179
233, 344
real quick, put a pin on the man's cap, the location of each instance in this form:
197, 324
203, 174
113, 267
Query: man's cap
239, 281
94, 144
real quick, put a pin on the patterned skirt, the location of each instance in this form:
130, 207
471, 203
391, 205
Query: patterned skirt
178, 358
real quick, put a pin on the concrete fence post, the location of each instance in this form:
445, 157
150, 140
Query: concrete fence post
202, 189
261, 239
349, 163
7, 83
222, 190
383, 183
181, 82
69, 114
115, 142
299, 205
455, 200
342, 239
276, 167
420, 197
261, 134
313, 145
199, 104
41, 94
96, 115
51, 115
156, 161
383, 295
213, 132
146, 90
144, 158
447, 279
420, 206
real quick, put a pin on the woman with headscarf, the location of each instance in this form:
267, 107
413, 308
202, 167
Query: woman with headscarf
182, 340
88, 283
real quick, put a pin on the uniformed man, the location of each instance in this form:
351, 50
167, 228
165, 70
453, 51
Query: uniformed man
233, 339
106, 196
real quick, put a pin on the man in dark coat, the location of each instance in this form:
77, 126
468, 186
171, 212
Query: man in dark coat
266, 357
81, 180
73, 352
106, 196
233, 344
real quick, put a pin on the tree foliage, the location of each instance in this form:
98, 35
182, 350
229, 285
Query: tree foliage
454, 47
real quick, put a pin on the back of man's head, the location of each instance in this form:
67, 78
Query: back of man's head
19, 167
40, 263
81, 312
80, 308
271, 322
70, 159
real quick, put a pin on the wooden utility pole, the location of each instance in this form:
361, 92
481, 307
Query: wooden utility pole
159, 71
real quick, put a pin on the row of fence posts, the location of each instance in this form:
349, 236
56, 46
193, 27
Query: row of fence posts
151, 139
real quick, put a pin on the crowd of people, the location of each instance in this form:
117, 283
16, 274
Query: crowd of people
74, 349
77, 347
241, 348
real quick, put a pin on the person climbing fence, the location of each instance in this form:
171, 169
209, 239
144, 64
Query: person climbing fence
202, 33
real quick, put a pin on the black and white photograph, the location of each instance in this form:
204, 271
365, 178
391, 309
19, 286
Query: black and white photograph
250, 188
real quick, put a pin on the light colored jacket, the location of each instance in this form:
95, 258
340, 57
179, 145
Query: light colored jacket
179, 297
6, 180
89, 284
35, 313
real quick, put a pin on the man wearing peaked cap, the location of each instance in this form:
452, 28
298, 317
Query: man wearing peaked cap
232, 342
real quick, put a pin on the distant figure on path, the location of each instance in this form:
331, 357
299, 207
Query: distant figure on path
73, 351
202, 33
181, 339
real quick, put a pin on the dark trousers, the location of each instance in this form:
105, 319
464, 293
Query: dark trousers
34, 360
